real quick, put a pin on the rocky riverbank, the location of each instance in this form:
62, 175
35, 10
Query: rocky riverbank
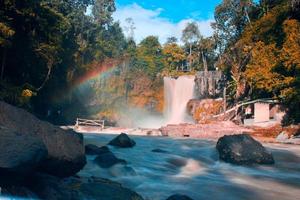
40, 160
211, 130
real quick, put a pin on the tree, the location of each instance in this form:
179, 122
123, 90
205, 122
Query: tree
171, 40
174, 56
206, 47
190, 35
231, 17
260, 70
5, 35
130, 28
290, 57
102, 11
149, 56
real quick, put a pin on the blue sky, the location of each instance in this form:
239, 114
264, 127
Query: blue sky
177, 10
165, 18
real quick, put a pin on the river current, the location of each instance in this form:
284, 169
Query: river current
192, 167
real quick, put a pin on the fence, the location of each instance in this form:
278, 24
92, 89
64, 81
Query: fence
89, 123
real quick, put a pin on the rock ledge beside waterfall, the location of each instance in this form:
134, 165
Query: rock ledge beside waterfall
213, 130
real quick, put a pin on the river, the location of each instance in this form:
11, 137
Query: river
192, 167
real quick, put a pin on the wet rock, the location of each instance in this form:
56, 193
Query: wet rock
107, 160
91, 149
20, 155
159, 151
179, 197
178, 162
52, 188
243, 149
282, 137
17, 192
49, 187
121, 170
65, 147
122, 141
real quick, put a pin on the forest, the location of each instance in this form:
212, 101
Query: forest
49, 48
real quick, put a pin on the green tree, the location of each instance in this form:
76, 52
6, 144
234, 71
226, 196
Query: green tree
206, 48
102, 11
174, 56
190, 35
149, 56
231, 17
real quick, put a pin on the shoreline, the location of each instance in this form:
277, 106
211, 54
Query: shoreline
203, 132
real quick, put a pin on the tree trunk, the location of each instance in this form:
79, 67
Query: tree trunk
47, 76
204, 62
247, 16
190, 56
3, 63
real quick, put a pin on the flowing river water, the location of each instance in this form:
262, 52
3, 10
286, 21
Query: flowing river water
192, 167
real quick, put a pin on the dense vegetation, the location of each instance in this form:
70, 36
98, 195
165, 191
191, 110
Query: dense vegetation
48, 47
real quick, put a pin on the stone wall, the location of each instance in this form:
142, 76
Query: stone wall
209, 84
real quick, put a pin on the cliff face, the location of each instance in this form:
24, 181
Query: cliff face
209, 84
203, 110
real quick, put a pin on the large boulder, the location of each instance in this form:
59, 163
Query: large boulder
108, 159
122, 141
66, 154
179, 197
243, 149
20, 155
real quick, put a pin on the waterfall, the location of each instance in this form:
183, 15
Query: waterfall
177, 94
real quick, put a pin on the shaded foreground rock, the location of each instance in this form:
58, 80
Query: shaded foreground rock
65, 148
20, 155
108, 159
91, 149
52, 188
18, 192
179, 197
122, 141
243, 149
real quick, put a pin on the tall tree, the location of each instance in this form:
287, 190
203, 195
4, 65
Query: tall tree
129, 28
190, 35
102, 11
149, 56
206, 48
171, 40
231, 17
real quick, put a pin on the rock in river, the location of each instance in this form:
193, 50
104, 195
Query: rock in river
243, 149
65, 148
91, 149
20, 155
122, 141
179, 197
52, 188
108, 159
159, 151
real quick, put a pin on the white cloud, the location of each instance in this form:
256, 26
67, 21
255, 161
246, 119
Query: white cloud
148, 22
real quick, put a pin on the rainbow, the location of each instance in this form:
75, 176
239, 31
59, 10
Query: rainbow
97, 70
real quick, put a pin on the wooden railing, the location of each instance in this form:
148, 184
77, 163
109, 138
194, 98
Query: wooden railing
89, 123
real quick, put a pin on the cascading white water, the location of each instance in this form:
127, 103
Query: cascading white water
177, 94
